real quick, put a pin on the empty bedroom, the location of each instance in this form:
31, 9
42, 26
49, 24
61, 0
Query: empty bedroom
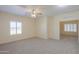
39, 29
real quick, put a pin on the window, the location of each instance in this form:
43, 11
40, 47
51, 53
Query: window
12, 28
15, 27
70, 27
19, 27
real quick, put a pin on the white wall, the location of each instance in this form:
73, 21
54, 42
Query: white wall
41, 27
28, 29
49, 27
55, 21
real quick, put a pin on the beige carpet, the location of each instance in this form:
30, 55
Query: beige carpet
40, 46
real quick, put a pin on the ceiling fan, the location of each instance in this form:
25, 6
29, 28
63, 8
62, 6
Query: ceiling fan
35, 13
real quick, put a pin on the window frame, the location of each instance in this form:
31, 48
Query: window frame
70, 27
16, 27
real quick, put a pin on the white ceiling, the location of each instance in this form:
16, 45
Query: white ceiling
48, 10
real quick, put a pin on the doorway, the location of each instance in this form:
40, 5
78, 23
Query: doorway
69, 30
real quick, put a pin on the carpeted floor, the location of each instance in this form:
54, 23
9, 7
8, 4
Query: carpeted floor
40, 46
